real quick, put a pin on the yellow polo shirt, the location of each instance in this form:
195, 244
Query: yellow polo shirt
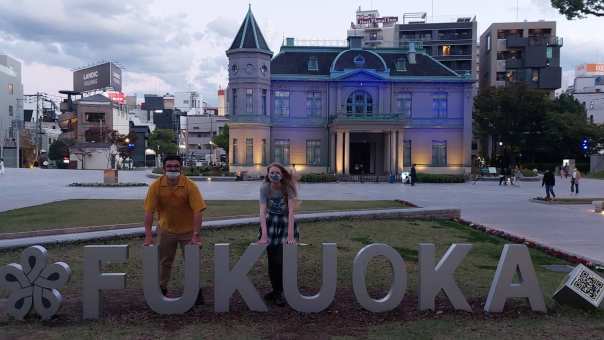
175, 205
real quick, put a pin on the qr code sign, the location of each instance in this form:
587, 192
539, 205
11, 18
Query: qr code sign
590, 285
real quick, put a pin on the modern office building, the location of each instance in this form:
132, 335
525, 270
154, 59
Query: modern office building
588, 88
11, 107
526, 52
188, 102
453, 43
345, 109
199, 132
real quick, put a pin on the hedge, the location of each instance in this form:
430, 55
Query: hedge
434, 178
318, 178
528, 173
198, 171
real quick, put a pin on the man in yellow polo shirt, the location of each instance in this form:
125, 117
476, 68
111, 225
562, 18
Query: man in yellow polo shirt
179, 207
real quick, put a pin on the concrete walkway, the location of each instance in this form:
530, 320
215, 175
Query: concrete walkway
573, 229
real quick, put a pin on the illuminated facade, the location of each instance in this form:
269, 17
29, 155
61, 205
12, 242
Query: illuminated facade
344, 110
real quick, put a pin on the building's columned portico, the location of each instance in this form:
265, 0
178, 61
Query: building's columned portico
359, 150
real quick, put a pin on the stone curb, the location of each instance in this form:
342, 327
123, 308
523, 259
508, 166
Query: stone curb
578, 201
201, 178
409, 213
552, 251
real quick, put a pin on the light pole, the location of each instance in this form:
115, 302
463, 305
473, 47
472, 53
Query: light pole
213, 157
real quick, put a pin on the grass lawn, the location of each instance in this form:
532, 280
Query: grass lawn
93, 212
127, 316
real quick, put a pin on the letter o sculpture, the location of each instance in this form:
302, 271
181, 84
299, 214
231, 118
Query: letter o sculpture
399, 273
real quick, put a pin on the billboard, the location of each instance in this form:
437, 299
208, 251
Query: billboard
117, 97
589, 70
97, 78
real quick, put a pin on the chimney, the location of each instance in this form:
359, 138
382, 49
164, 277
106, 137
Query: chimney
290, 42
355, 41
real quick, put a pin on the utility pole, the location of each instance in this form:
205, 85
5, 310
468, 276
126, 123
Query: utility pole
38, 127
17, 127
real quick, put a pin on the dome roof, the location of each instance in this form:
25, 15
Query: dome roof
352, 59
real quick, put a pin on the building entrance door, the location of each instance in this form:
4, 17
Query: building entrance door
366, 153
360, 156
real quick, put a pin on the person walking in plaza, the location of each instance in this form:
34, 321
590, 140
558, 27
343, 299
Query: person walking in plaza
517, 175
574, 181
278, 197
179, 206
1, 166
549, 181
413, 175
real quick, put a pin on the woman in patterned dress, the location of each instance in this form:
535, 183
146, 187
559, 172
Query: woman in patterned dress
278, 196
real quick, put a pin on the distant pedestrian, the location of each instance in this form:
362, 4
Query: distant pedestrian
413, 175
549, 181
505, 176
574, 181
517, 175
1, 166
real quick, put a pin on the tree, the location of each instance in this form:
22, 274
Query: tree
222, 140
527, 125
58, 150
578, 9
163, 141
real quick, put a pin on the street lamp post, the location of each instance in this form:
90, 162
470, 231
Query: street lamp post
213, 157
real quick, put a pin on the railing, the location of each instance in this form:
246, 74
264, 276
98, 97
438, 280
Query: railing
513, 63
314, 43
383, 117
405, 44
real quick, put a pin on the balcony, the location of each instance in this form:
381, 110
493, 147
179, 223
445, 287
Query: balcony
514, 63
516, 42
369, 117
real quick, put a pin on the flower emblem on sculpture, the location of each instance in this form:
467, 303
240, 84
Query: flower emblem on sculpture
34, 283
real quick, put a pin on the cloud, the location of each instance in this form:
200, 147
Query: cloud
72, 33
223, 28
38, 77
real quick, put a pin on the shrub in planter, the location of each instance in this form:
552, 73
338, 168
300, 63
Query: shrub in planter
528, 173
317, 178
435, 178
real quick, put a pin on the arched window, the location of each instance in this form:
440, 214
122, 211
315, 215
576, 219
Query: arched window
359, 102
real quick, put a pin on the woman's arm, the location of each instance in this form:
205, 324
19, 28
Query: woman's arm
264, 235
291, 203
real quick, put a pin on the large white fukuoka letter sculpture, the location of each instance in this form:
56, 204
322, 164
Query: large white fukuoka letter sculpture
95, 281
514, 258
399, 273
320, 301
432, 279
227, 281
153, 295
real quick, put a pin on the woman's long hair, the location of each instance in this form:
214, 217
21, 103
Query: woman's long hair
288, 183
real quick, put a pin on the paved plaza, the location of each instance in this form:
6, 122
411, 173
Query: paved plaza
572, 228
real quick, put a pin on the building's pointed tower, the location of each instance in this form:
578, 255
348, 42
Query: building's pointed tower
248, 98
